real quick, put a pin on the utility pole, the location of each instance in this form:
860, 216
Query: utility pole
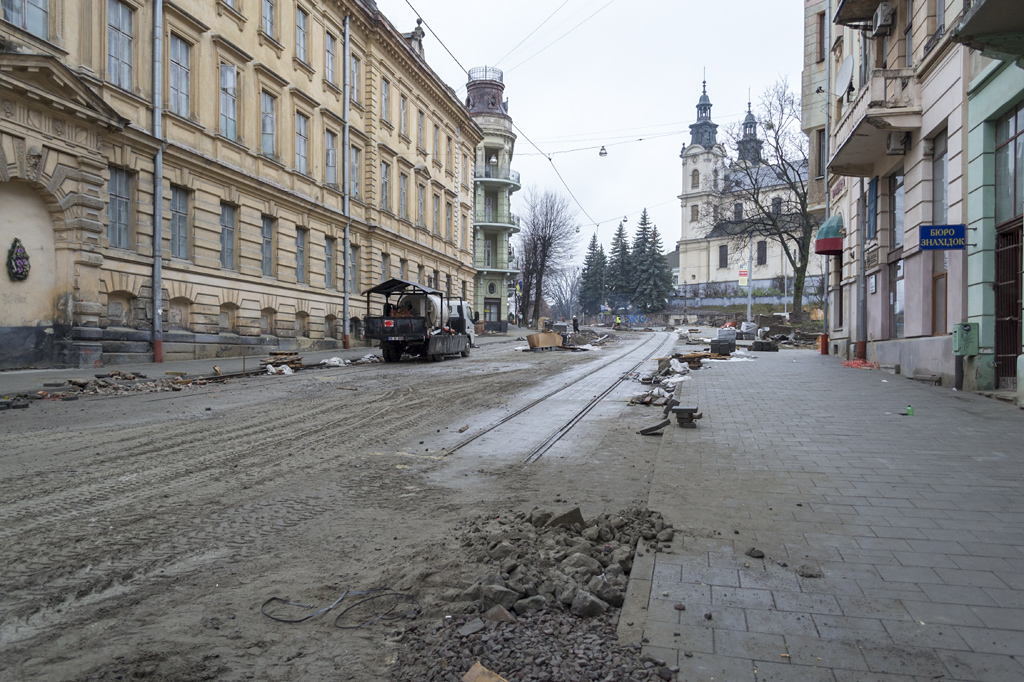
750, 278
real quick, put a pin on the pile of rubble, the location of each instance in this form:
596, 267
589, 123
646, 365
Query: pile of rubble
114, 383
544, 607
671, 372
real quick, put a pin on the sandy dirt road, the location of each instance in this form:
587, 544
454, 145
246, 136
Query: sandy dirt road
139, 535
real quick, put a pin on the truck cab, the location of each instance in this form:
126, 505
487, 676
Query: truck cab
460, 318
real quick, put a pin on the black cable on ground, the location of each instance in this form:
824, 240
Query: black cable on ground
377, 594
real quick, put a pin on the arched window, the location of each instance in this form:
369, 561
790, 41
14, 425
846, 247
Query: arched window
695, 179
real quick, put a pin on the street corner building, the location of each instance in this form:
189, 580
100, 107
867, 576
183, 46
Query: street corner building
286, 149
921, 138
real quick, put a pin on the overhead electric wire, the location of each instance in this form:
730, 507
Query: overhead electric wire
558, 38
530, 35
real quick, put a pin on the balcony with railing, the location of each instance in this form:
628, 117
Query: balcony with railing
492, 172
876, 122
496, 218
995, 27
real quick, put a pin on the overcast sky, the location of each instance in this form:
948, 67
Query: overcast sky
602, 72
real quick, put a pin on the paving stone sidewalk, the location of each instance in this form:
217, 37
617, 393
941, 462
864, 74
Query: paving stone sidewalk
916, 525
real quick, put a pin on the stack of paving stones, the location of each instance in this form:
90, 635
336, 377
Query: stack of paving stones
544, 606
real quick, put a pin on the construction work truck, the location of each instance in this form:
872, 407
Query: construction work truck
418, 320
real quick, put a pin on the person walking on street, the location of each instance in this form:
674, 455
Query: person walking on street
575, 324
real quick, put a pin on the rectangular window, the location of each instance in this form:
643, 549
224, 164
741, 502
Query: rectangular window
229, 101
227, 236
723, 256
385, 267
353, 79
489, 252
776, 206
908, 34
385, 185
940, 16
120, 36
822, 154
896, 211
403, 120
268, 124
403, 196
354, 172
419, 275
329, 262
419, 129
402, 266
267, 246
762, 253
353, 268
871, 210
737, 212
301, 24
330, 157
437, 215
421, 200
385, 99
822, 37
694, 212
301, 142
330, 49
31, 15
118, 210
465, 231
437, 145
940, 187
268, 17
448, 221
448, 154
896, 300
179, 222
301, 238
465, 165
1010, 165
181, 77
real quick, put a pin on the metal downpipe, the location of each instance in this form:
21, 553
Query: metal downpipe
158, 183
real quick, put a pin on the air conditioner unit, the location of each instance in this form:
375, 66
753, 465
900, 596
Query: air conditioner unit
881, 23
896, 143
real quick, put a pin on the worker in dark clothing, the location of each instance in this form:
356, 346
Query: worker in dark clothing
575, 324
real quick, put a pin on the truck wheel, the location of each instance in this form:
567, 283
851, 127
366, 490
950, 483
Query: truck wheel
435, 357
391, 354
465, 353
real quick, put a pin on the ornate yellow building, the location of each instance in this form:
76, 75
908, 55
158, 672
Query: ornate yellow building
305, 151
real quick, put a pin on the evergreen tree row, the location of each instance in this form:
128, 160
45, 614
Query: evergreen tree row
633, 276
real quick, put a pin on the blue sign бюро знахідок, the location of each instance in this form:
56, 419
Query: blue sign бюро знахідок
935, 237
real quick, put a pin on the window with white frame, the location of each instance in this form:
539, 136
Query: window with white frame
403, 115
353, 79
31, 15
419, 129
301, 239
227, 236
267, 246
437, 144
465, 165
268, 123
421, 201
385, 185
301, 143
448, 154
229, 101
403, 196
179, 222
268, 18
329, 262
301, 32
118, 231
181, 77
448, 220
723, 256
402, 267
385, 99
385, 267
120, 38
353, 267
330, 157
437, 215
330, 49
354, 172
908, 33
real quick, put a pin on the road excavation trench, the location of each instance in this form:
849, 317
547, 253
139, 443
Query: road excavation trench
139, 535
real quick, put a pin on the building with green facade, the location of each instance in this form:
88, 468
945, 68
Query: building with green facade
494, 182
995, 177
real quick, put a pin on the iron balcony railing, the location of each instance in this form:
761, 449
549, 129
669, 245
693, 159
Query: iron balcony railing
497, 173
486, 73
495, 217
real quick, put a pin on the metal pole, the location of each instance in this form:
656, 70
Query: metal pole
750, 278
862, 286
346, 190
828, 130
158, 183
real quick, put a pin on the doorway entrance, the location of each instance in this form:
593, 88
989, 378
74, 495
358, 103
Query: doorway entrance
1008, 305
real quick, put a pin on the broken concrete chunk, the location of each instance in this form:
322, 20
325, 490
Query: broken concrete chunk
654, 430
471, 628
540, 517
579, 560
530, 605
587, 605
492, 594
605, 591
808, 571
568, 519
755, 553
502, 550
499, 614
665, 536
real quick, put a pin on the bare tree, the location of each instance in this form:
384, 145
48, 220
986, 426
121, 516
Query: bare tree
764, 194
547, 241
563, 290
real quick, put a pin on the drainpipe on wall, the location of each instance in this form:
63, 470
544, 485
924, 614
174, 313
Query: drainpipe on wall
828, 196
346, 153
158, 183
862, 286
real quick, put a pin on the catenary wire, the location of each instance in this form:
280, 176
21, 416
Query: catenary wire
539, 26
556, 40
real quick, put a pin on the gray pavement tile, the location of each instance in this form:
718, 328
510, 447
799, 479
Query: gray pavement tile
816, 540
686, 593
753, 645
929, 635
828, 653
999, 617
712, 668
722, 617
741, 597
931, 559
684, 561
668, 654
937, 547
992, 641
958, 594
957, 576
892, 591
786, 672
865, 607
979, 667
803, 602
891, 544
806, 551
768, 576
993, 550
903, 660
1013, 599
781, 622
875, 557
859, 676
665, 570
916, 574
948, 614
690, 638
901, 532
1012, 579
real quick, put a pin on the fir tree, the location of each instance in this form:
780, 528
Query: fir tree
653, 275
619, 280
638, 254
592, 280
